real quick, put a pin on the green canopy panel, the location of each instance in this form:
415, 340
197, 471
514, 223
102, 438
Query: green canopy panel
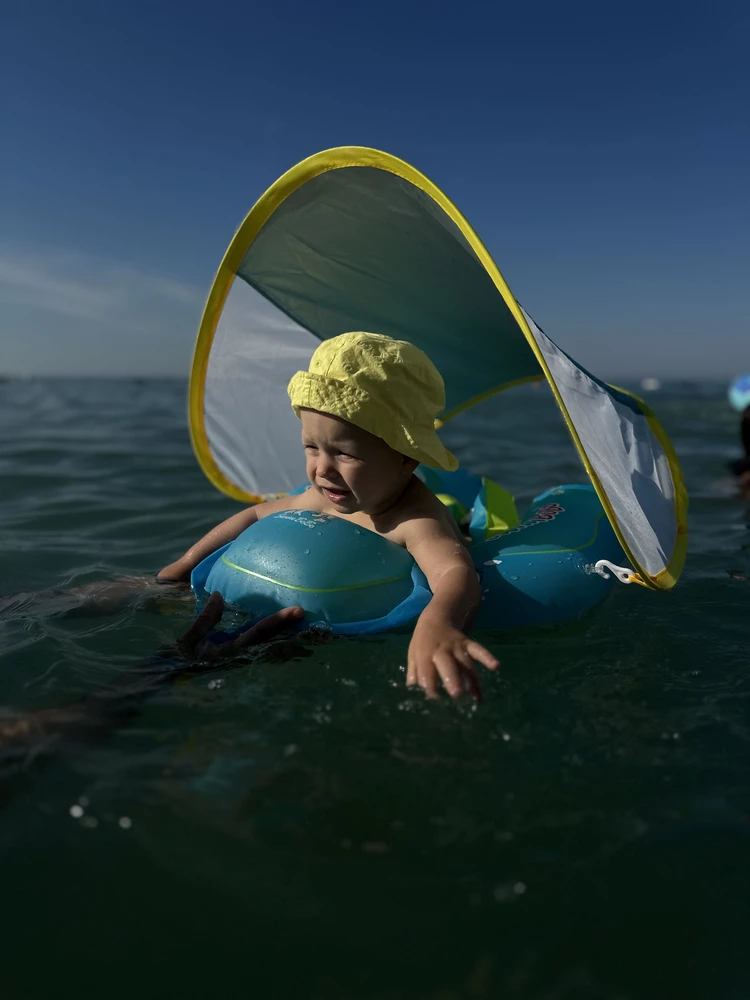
355, 239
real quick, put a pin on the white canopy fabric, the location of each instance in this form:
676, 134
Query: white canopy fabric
356, 239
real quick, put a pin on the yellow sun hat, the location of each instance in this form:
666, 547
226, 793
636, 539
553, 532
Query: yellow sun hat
385, 386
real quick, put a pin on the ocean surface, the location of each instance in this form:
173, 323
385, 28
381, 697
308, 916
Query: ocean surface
300, 824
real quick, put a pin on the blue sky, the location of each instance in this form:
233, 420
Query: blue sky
602, 152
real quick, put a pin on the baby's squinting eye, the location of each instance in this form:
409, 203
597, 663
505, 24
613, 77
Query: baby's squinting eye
310, 447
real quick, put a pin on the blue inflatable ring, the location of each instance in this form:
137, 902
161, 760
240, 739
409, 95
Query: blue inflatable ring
353, 581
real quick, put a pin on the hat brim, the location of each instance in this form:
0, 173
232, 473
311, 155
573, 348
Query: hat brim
347, 402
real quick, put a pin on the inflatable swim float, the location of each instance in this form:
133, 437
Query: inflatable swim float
357, 239
350, 580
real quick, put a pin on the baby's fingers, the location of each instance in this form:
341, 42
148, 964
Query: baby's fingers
469, 675
449, 671
482, 655
411, 674
423, 675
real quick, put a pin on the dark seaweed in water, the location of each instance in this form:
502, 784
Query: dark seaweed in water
307, 827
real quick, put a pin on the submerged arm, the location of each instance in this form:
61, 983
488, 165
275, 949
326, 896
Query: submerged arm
98, 714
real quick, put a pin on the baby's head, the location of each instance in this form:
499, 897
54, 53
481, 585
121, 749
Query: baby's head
368, 406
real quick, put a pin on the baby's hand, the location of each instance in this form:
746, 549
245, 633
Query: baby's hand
176, 572
445, 652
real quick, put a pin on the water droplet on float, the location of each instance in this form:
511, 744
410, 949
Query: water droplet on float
76, 811
514, 578
307, 551
357, 531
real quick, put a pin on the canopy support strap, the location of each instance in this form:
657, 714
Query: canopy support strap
622, 573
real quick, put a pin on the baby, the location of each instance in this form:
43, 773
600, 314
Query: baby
367, 407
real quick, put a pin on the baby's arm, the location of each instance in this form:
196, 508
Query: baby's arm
227, 531
439, 647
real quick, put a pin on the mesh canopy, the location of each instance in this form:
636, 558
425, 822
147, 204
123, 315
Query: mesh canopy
622, 452
355, 239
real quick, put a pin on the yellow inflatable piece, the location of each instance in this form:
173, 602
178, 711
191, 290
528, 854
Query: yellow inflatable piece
456, 508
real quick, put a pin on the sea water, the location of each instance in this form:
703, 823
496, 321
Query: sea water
301, 824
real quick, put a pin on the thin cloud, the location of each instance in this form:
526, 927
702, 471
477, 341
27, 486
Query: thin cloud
82, 286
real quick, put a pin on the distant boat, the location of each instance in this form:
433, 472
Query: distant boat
650, 384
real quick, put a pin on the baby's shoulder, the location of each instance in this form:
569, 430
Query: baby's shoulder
421, 501
422, 514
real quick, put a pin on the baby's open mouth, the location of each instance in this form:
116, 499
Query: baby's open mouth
335, 495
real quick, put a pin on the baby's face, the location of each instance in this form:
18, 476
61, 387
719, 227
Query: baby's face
351, 468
